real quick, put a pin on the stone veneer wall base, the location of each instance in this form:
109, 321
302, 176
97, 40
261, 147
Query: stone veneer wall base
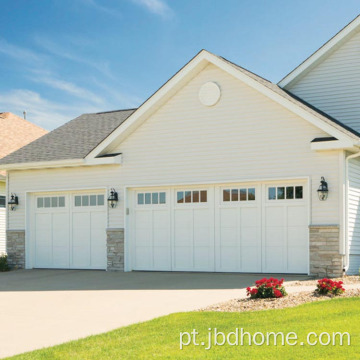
115, 249
15, 248
325, 259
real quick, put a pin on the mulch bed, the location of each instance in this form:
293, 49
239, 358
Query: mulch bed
291, 300
346, 280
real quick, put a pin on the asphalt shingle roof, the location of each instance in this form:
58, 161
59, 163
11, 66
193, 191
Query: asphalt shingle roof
15, 133
73, 140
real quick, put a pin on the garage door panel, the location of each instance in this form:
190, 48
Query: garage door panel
201, 236
98, 240
275, 216
60, 257
143, 258
203, 258
250, 259
161, 219
81, 240
161, 237
143, 219
229, 258
274, 236
296, 216
297, 235
250, 236
274, 259
162, 258
60, 223
60, 236
228, 237
249, 217
43, 256
183, 257
229, 217
143, 237
295, 263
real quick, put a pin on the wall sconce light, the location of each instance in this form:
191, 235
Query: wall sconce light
13, 202
323, 190
113, 198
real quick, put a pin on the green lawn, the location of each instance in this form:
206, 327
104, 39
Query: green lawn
159, 338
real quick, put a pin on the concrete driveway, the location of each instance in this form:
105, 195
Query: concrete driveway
41, 308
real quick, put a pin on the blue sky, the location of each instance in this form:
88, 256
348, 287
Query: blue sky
61, 58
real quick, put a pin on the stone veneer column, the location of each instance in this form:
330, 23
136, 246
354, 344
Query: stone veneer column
115, 249
325, 260
15, 248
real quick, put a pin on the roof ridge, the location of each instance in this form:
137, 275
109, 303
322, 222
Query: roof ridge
112, 111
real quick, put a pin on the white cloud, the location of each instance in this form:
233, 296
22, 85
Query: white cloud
42, 112
19, 53
60, 51
158, 7
69, 88
102, 8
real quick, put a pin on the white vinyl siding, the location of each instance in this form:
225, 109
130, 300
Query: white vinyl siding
2, 220
244, 137
354, 216
334, 84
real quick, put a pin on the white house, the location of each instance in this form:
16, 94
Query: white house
2, 213
218, 170
15, 133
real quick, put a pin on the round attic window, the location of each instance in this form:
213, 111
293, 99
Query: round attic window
209, 93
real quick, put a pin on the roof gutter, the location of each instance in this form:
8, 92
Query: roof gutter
346, 237
116, 160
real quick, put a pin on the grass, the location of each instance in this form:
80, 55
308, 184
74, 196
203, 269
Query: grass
159, 338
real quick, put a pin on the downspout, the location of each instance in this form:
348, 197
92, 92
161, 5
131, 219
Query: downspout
346, 237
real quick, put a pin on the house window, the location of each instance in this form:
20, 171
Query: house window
2, 201
235, 195
51, 202
285, 193
151, 198
89, 200
191, 196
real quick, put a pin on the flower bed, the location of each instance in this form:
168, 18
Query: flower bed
267, 288
327, 286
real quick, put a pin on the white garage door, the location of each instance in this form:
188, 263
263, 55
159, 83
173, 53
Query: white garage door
68, 231
254, 227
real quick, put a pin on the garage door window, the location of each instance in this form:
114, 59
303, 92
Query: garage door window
89, 200
51, 201
191, 196
285, 193
2, 201
244, 194
151, 198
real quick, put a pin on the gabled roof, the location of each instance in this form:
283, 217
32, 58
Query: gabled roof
293, 103
91, 136
16, 132
73, 140
323, 52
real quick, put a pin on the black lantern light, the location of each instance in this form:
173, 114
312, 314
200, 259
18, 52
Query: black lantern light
13, 202
323, 190
113, 198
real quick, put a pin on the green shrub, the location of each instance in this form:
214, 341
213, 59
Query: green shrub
4, 266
